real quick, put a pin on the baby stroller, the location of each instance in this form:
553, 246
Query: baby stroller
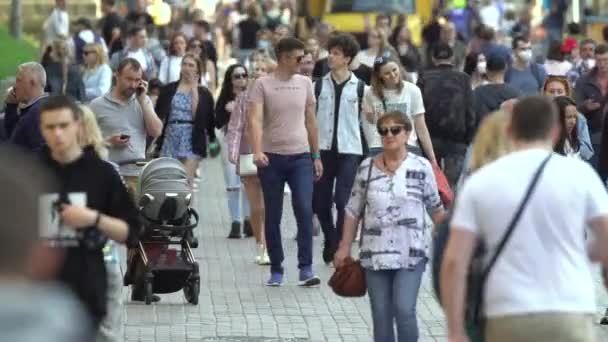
164, 205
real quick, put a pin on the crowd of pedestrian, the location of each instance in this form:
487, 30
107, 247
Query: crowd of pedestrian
361, 134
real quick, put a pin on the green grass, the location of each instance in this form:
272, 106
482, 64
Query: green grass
15, 52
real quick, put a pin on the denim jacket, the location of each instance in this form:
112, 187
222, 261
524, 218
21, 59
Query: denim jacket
582, 129
349, 124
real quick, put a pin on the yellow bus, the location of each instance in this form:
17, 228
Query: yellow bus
344, 16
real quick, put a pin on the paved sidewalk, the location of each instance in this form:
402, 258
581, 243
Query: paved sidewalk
235, 306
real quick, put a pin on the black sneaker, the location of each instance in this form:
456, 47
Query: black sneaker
247, 229
235, 230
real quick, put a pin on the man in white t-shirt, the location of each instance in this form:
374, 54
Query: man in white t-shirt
541, 286
490, 15
136, 49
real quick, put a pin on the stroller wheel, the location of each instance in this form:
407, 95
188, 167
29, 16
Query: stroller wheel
149, 292
191, 291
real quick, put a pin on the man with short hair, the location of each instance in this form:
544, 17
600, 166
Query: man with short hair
90, 205
525, 74
592, 102
110, 26
126, 118
284, 137
541, 287
585, 63
489, 45
490, 96
139, 15
57, 25
136, 49
201, 29
22, 111
338, 95
307, 64
279, 33
450, 115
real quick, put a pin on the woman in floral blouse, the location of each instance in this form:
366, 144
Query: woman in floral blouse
396, 234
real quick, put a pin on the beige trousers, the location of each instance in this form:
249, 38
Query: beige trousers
541, 327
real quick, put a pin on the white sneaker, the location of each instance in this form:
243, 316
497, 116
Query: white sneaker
264, 259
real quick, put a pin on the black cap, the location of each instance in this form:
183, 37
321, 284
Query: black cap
495, 63
442, 51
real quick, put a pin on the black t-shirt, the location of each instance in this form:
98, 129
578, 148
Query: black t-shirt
489, 97
364, 73
141, 19
338, 94
83, 269
248, 30
107, 24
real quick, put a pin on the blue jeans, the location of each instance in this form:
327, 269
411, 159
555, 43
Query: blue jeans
392, 295
297, 171
340, 169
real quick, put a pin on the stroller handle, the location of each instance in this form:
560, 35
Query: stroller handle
137, 162
191, 213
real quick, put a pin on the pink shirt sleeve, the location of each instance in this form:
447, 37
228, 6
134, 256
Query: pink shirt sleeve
310, 93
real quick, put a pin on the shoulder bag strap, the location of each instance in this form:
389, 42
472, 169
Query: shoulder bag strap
515, 219
362, 214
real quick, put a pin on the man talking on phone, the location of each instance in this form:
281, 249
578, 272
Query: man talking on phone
126, 118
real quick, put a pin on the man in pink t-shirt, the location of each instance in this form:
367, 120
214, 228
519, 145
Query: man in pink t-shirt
283, 131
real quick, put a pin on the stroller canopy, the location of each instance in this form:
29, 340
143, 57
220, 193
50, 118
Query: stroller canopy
163, 174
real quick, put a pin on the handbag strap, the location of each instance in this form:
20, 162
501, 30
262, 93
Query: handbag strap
514, 220
362, 214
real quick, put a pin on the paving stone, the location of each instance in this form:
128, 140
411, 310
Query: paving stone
235, 306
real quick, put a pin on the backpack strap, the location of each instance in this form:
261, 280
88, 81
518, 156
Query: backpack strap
360, 91
318, 88
535, 69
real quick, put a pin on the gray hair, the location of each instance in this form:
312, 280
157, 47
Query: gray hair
36, 70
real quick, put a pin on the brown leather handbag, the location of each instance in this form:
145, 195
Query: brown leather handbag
349, 279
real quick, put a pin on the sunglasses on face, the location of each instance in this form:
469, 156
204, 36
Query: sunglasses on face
395, 130
239, 76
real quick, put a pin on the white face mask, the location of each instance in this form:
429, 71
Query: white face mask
481, 67
525, 55
589, 63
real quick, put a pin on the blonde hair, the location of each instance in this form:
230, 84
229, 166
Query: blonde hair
90, 134
61, 53
101, 55
491, 141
